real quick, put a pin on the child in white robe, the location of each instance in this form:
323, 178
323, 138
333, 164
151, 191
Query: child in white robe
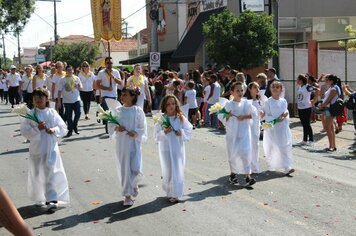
171, 147
129, 136
47, 181
238, 134
252, 93
277, 140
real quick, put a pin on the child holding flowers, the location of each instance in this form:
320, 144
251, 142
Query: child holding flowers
129, 131
253, 94
47, 181
277, 140
238, 134
171, 130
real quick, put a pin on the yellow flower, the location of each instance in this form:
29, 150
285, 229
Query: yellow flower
156, 118
267, 125
215, 108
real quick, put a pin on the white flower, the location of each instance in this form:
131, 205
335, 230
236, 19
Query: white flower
21, 109
157, 118
215, 108
267, 125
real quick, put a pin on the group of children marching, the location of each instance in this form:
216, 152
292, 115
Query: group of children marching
47, 180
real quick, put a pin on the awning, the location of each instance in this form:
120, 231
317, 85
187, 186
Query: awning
193, 39
166, 55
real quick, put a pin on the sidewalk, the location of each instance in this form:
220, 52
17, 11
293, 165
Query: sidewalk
345, 140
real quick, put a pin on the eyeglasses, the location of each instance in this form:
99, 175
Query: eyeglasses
109, 63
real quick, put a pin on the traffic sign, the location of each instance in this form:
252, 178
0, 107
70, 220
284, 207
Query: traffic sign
155, 59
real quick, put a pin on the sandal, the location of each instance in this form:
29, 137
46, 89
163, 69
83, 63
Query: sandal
173, 200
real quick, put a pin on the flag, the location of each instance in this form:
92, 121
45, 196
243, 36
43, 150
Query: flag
106, 15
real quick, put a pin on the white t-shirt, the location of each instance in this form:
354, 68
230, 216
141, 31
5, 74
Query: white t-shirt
304, 93
191, 98
327, 94
27, 83
41, 82
56, 79
105, 81
216, 94
13, 79
69, 88
2, 83
87, 81
206, 92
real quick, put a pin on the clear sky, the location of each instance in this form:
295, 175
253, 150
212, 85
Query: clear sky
38, 31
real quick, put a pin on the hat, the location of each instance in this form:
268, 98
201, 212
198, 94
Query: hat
12, 67
271, 70
28, 67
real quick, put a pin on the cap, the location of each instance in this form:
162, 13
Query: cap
12, 67
271, 70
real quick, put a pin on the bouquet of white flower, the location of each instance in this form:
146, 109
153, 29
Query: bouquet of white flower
23, 111
108, 116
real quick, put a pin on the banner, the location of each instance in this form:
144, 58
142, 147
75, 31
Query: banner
106, 15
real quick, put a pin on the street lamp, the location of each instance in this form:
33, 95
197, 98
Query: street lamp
55, 17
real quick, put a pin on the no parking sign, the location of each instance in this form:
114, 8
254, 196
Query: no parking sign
155, 59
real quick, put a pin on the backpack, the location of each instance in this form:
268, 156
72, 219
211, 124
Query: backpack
337, 107
351, 102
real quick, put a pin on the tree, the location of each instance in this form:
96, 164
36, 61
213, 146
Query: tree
244, 41
8, 62
75, 53
351, 43
14, 14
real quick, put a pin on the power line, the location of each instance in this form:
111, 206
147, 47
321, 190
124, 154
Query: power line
135, 12
65, 22
43, 20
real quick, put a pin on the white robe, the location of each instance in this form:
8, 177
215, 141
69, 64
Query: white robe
255, 137
277, 141
238, 136
172, 155
47, 180
128, 149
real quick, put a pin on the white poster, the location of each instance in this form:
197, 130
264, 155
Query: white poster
252, 5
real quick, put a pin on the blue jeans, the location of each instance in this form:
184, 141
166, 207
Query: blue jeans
69, 108
211, 119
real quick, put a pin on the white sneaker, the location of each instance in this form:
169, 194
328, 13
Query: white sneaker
310, 143
301, 143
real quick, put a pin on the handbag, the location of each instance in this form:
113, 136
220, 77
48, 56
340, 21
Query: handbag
337, 107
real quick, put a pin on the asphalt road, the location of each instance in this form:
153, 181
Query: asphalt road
320, 198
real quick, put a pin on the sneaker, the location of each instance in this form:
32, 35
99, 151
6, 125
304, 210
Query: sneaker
128, 201
233, 179
193, 126
302, 143
52, 206
290, 171
250, 181
310, 143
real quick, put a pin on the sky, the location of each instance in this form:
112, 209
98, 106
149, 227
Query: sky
40, 27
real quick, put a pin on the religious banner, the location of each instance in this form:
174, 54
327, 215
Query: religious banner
106, 15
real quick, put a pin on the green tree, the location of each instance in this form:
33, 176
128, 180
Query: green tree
75, 53
244, 41
14, 14
8, 62
351, 43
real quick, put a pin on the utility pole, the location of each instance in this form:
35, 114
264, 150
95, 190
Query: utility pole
275, 11
3, 48
154, 18
18, 47
55, 22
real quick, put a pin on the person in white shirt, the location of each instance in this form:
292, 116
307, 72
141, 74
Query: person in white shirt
140, 81
40, 79
108, 80
212, 99
69, 87
191, 99
57, 77
27, 90
88, 79
13, 82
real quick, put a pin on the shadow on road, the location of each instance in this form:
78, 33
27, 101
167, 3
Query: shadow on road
115, 211
15, 151
223, 187
32, 211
